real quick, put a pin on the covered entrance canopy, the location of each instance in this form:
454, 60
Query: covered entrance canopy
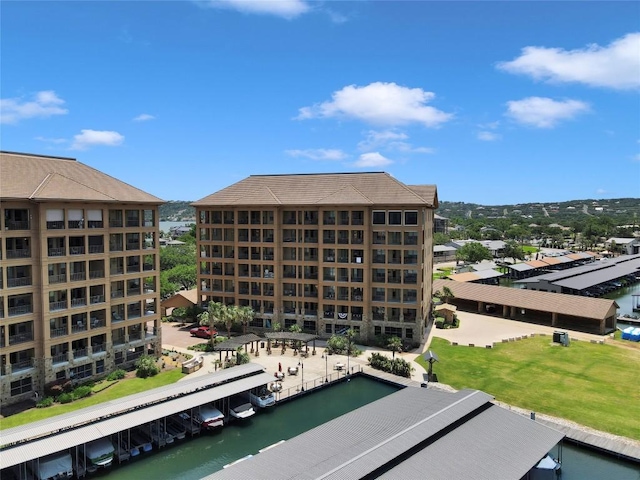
294, 336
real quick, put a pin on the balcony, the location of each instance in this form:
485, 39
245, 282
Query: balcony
80, 353
133, 245
21, 365
78, 302
60, 358
20, 310
55, 225
18, 282
56, 252
98, 348
96, 248
133, 267
57, 278
119, 340
78, 276
329, 314
115, 247
75, 224
17, 224
19, 253
95, 224
54, 306
93, 274
343, 278
79, 250
377, 298
137, 313
379, 278
117, 293
96, 299
378, 259
79, 327
20, 338
133, 222
58, 332
378, 316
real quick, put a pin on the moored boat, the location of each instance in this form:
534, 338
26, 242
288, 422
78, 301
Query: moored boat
209, 417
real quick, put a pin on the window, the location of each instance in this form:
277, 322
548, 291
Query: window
377, 330
395, 218
379, 217
21, 386
328, 328
410, 217
379, 238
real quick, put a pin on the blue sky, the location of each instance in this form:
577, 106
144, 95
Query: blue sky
494, 102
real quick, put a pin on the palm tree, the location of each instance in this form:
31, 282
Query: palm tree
230, 316
213, 315
447, 294
395, 345
245, 315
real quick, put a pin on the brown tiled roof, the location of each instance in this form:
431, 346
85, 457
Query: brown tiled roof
40, 178
596, 308
428, 192
376, 188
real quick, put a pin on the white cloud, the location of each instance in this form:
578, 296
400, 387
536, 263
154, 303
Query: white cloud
281, 8
372, 159
90, 138
375, 139
487, 136
614, 66
44, 104
379, 103
52, 140
319, 154
408, 148
544, 112
601, 191
144, 117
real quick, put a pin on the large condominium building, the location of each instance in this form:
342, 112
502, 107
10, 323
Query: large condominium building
79, 273
327, 252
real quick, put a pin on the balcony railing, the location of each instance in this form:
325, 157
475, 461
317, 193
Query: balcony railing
58, 332
60, 358
78, 302
79, 327
98, 348
95, 224
57, 278
20, 310
21, 365
61, 305
133, 267
134, 314
329, 314
133, 245
20, 338
75, 224
17, 224
96, 248
115, 247
56, 252
117, 293
118, 340
378, 298
78, 276
133, 291
76, 250
378, 316
80, 353
96, 299
96, 274
19, 253
133, 222
18, 282
56, 225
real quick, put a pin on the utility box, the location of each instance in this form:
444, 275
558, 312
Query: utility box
561, 338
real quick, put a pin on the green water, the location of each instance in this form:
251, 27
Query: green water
209, 452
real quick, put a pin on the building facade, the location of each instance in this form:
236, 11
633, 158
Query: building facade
79, 273
327, 252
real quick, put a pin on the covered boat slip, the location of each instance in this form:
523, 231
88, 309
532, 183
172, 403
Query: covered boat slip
585, 314
36, 440
413, 433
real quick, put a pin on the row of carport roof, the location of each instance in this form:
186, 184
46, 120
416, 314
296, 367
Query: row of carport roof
39, 439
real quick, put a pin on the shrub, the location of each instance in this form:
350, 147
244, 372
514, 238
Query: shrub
146, 367
45, 402
65, 398
201, 347
116, 375
53, 390
439, 323
397, 366
81, 392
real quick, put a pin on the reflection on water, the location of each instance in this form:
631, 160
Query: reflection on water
581, 464
624, 298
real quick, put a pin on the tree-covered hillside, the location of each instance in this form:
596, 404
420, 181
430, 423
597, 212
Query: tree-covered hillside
177, 211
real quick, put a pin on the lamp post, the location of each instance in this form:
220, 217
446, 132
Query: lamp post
326, 367
302, 370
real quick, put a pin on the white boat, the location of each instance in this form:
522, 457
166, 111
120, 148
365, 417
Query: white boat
100, 453
209, 417
54, 467
263, 399
240, 407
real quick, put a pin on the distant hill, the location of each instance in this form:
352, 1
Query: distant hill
623, 210
177, 211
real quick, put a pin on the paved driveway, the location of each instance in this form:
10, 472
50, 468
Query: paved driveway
178, 336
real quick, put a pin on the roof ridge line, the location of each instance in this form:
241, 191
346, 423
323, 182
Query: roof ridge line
83, 184
273, 194
44, 181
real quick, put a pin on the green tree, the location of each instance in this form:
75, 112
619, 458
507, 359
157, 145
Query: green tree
512, 250
175, 255
245, 315
473, 252
184, 275
212, 317
440, 238
167, 288
447, 294
395, 345
146, 366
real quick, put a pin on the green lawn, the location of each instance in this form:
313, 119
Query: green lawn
594, 385
119, 390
